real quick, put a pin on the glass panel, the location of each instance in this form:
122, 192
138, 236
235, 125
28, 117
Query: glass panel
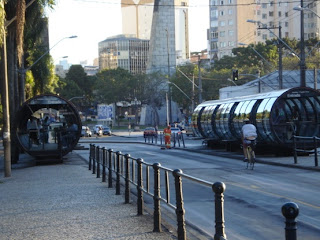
194, 121
237, 114
226, 116
260, 118
218, 120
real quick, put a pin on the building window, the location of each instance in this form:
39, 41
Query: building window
286, 24
222, 23
279, 14
214, 13
213, 2
230, 22
259, 33
271, 4
214, 45
286, 34
214, 35
230, 11
214, 23
222, 34
270, 14
264, 36
230, 1
264, 5
230, 44
264, 16
286, 14
221, 13
258, 12
230, 33
221, 2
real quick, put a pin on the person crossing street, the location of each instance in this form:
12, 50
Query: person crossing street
167, 137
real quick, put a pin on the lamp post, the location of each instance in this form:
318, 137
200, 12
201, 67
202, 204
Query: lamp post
135, 103
302, 52
169, 115
24, 70
279, 47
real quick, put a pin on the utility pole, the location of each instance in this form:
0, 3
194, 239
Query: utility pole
169, 75
200, 80
280, 59
302, 53
6, 115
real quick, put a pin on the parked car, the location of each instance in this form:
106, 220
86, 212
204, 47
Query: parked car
106, 131
86, 132
176, 131
149, 132
189, 131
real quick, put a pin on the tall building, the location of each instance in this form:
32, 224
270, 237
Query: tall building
125, 51
138, 18
229, 26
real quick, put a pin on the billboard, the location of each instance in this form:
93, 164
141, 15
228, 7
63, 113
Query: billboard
105, 112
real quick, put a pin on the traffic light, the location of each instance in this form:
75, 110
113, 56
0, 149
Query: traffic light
235, 75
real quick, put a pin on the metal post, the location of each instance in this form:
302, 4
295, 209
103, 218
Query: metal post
94, 161
295, 157
302, 51
290, 211
315, 152
200, 80
110, 168
280, 59
127, 179
90, 156
180, 212
103, 164
156, 199
219, 188
140, 187
6, 114
118, 173
98, 162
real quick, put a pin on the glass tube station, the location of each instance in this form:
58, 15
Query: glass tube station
47, 126
278, 116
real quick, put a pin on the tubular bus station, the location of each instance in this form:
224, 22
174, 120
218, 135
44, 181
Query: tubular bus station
47, 127
278, 116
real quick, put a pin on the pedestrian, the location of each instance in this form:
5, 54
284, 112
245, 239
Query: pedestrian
167, 137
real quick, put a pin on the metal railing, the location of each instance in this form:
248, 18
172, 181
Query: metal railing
136, 172
306, 148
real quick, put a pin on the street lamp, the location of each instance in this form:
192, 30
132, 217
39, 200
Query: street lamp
135, 103
23, 71
302, 53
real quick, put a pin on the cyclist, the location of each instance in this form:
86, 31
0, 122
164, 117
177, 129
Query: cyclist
249, 132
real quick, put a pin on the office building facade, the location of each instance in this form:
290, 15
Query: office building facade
124, 51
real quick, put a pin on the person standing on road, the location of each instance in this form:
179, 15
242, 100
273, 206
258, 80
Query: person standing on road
249, 132
167, 137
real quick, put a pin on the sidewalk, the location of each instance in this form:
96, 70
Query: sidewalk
66, 201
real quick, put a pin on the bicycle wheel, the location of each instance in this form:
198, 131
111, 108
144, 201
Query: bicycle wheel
251, 158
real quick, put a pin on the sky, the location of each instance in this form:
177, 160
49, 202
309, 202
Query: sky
92, 21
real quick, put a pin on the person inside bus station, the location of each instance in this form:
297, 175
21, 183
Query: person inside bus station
249, 132
167, 136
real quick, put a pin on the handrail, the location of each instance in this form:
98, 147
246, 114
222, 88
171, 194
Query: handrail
121, 165
314, 150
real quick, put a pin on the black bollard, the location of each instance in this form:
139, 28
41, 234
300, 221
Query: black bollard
140, 187
156, 198
103, 164
110, 167
219, 188
98, 162
127, 179
94, 160
118, 173
90, 156
180, 212
290, 211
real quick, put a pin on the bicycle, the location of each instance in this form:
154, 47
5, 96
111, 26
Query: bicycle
251, 143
